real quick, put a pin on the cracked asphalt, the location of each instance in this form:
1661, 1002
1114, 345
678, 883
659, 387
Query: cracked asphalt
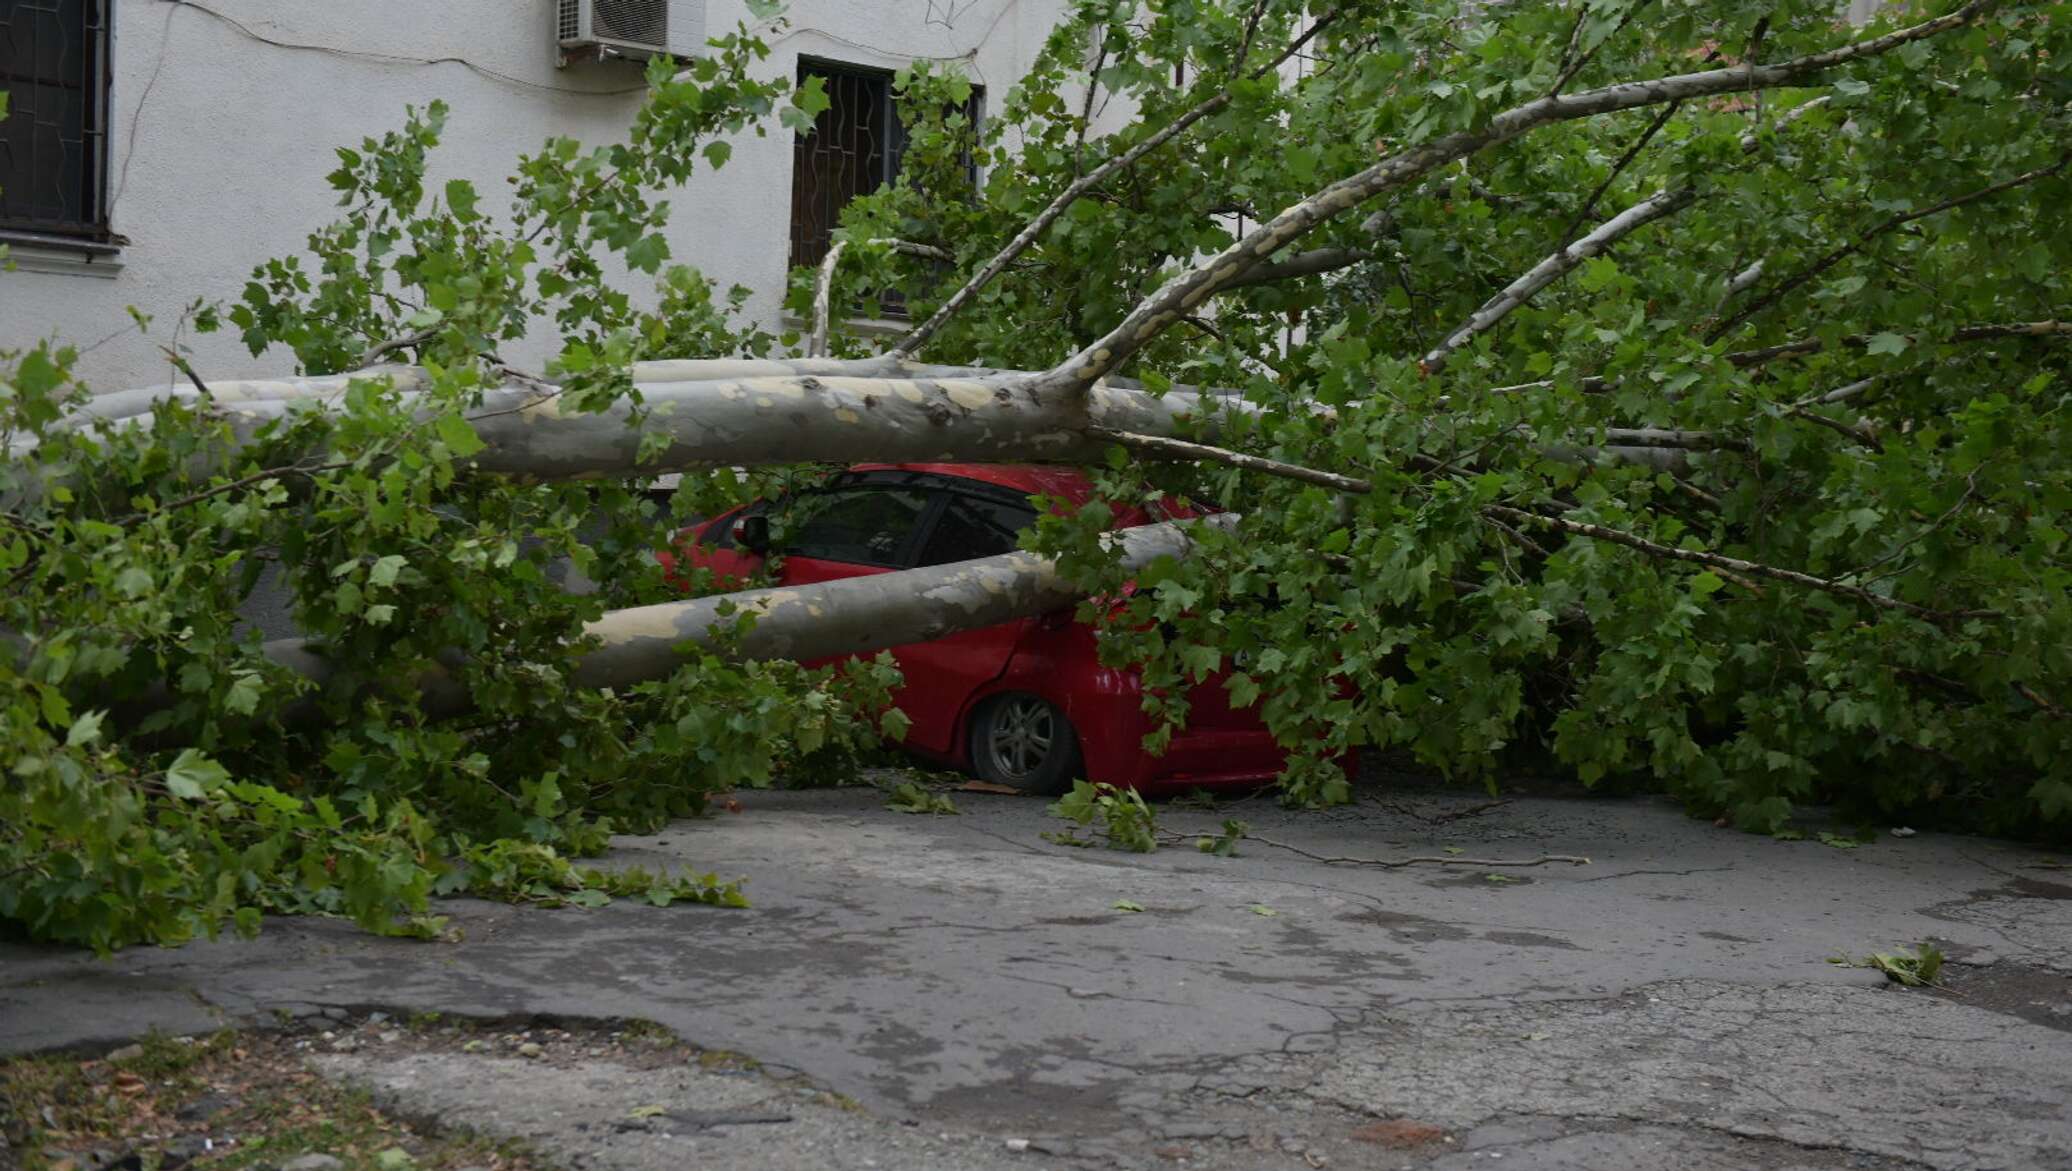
1670, 1004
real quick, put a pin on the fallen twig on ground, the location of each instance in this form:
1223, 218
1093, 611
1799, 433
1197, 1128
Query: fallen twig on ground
1443, 818
1172, 837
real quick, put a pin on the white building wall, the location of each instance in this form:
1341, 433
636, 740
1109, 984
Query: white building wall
221, 142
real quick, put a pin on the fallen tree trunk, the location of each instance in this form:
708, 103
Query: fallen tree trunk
851, 616
122, 404
743, 414
750, 412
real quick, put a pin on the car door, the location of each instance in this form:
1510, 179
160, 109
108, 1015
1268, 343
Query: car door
971, 520
876, 522
853, 528
710, 545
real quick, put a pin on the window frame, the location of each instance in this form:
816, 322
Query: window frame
94, 232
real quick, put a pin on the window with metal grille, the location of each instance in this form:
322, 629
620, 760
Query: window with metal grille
54, 140
850, 152
854, 148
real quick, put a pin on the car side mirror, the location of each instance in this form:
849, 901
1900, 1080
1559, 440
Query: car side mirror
753, 533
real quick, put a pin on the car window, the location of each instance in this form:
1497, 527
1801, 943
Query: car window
863, 526
973, 527
720, 535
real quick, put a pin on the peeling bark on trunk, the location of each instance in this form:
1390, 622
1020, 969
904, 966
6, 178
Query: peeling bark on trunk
747, 413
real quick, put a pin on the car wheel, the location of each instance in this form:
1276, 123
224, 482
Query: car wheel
1024, 742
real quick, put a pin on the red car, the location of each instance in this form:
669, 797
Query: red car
1026, 703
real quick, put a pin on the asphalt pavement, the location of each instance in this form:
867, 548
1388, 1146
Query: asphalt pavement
1672, 1003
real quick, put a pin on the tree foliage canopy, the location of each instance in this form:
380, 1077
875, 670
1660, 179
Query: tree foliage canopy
1703, 365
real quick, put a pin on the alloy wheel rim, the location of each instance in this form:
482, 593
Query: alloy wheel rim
1021, 736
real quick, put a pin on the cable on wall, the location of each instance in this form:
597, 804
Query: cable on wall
399, 59
946, 19
970, 54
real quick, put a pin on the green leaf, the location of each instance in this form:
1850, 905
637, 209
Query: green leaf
648, 253
1201, 661
461, 199
1887, 343
1243, 689
193, 775
243, 696
458, 436
717, 153
909, 797
85, 730
1128, 906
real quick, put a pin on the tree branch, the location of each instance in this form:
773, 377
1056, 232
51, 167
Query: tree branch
1572, 64
1793, 282
1970, 490
1860, 435
1086, 108
823, 283
1547, 271
1840, 393
1664, 437
1715, 560
1969, 333
376, 353
1749, 140
825, 619
1179, 296
1421, 860
920, 334
1182, 449
1625, 160
823, 297
300, 468
1302, 264
181, 364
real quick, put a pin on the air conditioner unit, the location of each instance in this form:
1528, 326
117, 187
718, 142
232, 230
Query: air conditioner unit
634, 29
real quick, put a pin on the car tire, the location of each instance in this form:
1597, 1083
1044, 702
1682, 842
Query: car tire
1025, 742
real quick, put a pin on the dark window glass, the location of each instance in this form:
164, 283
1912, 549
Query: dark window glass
970, 527
862, 526
854, 149
849, 153
53, 141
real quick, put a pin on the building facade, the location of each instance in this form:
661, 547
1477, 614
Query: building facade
155, 150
